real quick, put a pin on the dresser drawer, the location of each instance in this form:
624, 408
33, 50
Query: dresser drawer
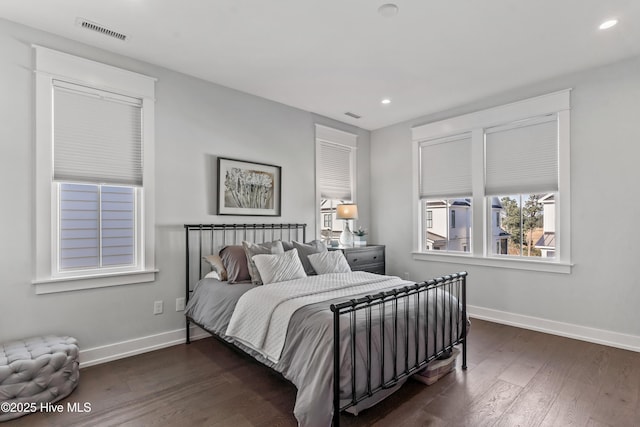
361, 257
371, 268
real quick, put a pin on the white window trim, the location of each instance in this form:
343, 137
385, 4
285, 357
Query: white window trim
50, 65
556, 102
325, 134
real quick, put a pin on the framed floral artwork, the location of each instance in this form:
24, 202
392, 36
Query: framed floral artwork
248, 188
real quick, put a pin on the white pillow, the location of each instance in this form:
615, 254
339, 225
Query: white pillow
279, 267
212, 275
329, 262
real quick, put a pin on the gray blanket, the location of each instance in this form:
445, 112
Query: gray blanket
307, 357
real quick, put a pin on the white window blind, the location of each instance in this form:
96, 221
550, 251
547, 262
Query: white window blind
97, 136
522, 158
445, 167
335, 173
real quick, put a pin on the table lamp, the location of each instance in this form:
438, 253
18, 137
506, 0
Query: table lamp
346, 211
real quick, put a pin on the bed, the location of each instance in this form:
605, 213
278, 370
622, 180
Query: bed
346, 340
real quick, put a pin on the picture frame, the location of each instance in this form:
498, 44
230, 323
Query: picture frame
248, 188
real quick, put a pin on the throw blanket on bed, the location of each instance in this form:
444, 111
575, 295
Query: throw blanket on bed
261, 317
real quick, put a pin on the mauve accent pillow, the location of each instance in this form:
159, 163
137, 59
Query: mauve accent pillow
306, 249
252, 249
329, 262
235, 262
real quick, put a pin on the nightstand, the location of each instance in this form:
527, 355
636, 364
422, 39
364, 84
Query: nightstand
364, 258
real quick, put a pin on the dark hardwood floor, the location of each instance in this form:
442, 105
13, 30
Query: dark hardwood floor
515, 378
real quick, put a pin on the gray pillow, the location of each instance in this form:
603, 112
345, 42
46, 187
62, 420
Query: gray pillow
306, 249
252, 249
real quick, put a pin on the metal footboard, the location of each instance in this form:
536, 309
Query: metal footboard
395, 334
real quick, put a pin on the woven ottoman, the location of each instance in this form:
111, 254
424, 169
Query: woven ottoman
36, 370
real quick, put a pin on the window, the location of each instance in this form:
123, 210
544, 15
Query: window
511, 166
96, 227
328, 220
528, 233
441, 233
94, 174
445, 185
335, 177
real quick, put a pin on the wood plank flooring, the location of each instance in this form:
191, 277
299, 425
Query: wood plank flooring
515, 378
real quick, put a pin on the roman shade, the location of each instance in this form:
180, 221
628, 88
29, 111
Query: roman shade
522, 157
335, 171
445, 167
97, 136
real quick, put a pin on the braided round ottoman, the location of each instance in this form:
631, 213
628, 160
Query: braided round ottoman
35, 371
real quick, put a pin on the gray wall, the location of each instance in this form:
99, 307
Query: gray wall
195, 121
602, 291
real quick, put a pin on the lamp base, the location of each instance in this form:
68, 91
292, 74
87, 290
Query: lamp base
346, 237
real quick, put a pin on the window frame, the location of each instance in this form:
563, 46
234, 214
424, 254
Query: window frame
53, 65
328, 135
475, 123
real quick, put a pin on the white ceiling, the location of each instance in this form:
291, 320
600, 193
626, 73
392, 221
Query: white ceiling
334, 56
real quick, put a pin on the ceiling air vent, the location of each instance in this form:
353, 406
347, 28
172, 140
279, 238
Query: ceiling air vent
100, 29
354, 115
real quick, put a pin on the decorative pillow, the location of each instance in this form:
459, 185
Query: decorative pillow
287, 246
279, 267
216, 264
252, 249
212, 275
329, 262
235, 263
306, 249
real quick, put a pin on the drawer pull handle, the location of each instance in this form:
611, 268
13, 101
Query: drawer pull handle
355, 260
375, 257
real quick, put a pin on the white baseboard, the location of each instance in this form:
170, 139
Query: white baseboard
120, 350
583, 333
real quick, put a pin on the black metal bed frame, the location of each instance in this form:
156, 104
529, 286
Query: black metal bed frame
448, 292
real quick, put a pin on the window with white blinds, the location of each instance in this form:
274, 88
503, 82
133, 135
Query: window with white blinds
94, 174
504, 170
335, 172
97, 138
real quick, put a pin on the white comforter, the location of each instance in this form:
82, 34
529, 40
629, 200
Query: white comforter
261, 317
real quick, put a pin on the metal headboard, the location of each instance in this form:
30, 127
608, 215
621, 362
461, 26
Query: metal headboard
206, 239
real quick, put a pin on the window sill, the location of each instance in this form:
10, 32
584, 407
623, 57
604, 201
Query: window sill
66, 284
518, 264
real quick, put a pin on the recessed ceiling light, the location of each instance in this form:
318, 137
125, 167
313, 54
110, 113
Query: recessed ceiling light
388, 10
608, 24
386, 101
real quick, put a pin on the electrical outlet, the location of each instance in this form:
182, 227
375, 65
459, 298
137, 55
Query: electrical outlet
180, 304
406, 275
158, 307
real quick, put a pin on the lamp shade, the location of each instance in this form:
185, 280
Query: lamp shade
347, 211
